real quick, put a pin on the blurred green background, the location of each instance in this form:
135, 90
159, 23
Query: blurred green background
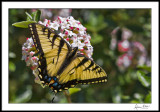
132, 85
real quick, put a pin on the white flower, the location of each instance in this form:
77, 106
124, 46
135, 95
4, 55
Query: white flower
61, 34
45, 22
73, 23
87, 42
80, 37
125, 44
142, 60
65, 25
54, 25
70, 18
81, 29
126, 61
36, 72
78, 44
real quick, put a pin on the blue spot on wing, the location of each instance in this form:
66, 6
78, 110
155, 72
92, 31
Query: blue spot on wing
55, 78
55, 84
45, 77
59, 86
49, 79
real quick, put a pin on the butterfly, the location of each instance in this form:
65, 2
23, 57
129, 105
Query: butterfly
60, 66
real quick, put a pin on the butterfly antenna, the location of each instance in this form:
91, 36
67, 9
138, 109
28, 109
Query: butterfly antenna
54, 96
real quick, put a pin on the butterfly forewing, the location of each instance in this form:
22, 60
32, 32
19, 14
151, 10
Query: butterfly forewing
51, 45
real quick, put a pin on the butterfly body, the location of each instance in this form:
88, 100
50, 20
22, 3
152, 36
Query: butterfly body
61, 66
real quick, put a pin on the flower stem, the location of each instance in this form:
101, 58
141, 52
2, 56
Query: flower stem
68, 97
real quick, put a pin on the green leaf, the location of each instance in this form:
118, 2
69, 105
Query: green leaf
23, 24
96, 38
143, 78
135, 101
101, 27
36, 15
12, 66
148, 98
125, 97
29, 17
93, 20
74, 90
144, 67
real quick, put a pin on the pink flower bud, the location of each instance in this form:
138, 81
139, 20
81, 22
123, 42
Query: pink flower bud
67, 39
34, 58
86, 42
123, 48
66, 32
130, 57
71, 28
47, 25
77, 28
26, 49
27, 59
82, 49
31, 53
33, 67
33, 45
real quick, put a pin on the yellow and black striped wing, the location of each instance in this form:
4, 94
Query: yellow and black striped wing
52, 49
82, 70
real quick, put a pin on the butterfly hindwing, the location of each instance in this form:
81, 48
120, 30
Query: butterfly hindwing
82, 70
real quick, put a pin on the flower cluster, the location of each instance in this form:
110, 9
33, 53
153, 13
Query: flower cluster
73, 32
70, 30
132, 50
29, 55
124, 60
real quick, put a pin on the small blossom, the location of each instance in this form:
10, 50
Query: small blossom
32, 53
34, 58
71, 28
55, 25
67, 39
126, 34
123, 46
124, 60
33, 67
47, 25
66, 33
